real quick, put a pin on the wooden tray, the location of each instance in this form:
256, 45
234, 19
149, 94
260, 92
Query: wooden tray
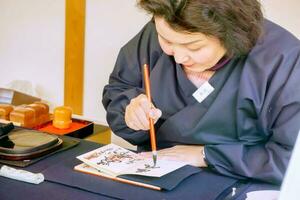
79, 129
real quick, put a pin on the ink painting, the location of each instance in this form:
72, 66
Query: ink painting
115, 160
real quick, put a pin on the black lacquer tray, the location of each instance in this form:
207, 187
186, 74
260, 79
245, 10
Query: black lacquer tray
22, 144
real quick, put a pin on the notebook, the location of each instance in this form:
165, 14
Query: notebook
119, 164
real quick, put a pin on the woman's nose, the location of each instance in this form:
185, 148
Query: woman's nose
180, 56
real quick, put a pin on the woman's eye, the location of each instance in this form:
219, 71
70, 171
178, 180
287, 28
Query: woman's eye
167, 42
196, 48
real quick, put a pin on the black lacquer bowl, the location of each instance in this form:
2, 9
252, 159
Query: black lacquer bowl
24, 144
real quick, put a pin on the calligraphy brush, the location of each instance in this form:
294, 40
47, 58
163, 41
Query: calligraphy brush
151, 123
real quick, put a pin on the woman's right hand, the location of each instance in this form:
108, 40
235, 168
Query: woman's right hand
138, 112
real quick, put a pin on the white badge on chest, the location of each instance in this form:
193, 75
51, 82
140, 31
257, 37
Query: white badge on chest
203, 91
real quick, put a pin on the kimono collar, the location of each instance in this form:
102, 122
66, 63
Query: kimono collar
222, 62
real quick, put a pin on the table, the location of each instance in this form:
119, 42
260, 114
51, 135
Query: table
101, 134
59, 167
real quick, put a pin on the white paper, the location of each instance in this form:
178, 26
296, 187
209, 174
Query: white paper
21, 175
263, 195
116, 160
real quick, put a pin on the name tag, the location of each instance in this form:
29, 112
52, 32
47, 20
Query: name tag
203, 91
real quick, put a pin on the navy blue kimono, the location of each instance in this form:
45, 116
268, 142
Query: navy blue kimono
248, 124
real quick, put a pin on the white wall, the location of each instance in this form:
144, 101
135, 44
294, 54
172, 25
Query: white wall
32, 45
109, 25
32, 42
285, 13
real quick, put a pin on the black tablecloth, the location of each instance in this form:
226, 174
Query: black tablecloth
65, 183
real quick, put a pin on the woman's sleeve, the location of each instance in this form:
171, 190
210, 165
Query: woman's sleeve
126, 82
268, 160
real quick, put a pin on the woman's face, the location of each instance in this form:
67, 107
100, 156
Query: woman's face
195, 51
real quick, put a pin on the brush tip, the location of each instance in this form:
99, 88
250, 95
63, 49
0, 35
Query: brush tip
154, 159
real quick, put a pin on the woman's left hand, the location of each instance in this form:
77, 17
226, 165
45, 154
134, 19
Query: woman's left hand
192, 154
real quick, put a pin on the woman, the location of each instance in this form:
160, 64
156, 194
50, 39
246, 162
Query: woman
225, 87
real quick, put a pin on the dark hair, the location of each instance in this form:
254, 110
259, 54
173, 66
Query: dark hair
236, 23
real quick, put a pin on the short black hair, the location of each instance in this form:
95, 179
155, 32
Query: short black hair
236, 23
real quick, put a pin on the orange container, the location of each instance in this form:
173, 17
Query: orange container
62, 117
5, 110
